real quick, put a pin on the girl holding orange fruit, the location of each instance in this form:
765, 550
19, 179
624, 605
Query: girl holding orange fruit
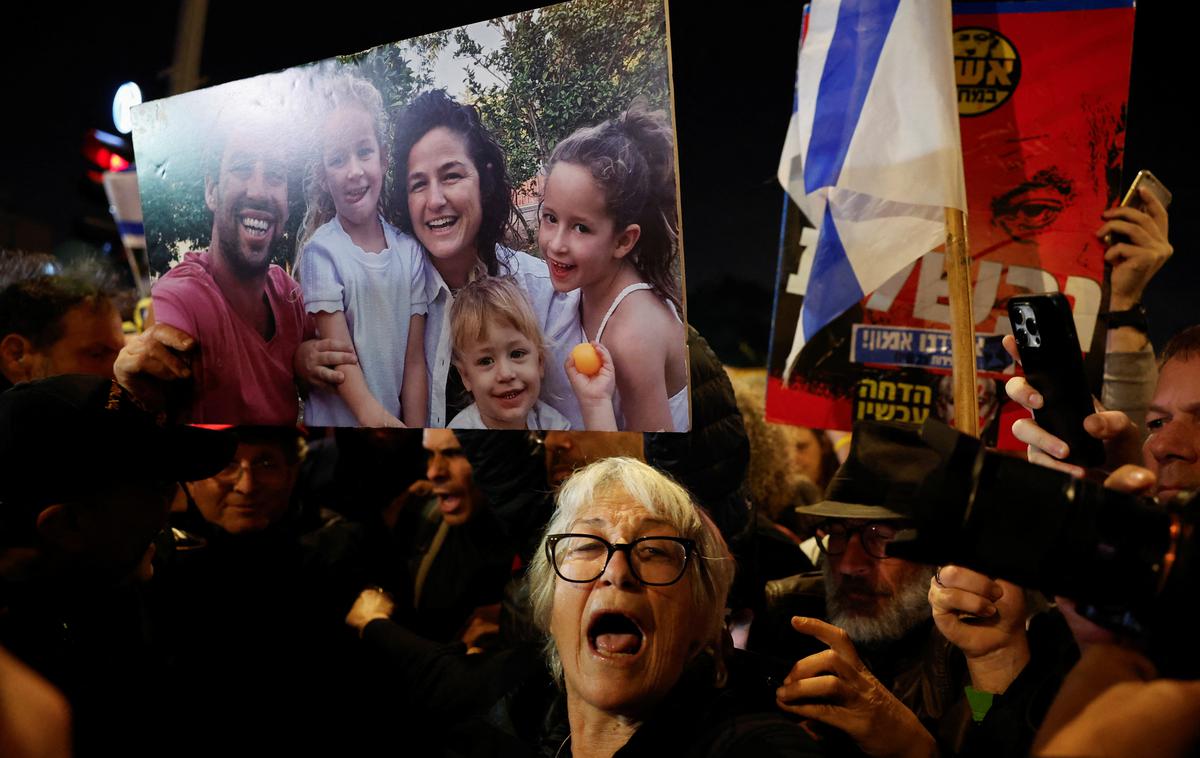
608, 228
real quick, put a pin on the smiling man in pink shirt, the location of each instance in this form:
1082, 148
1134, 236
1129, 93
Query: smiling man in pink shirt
236, 318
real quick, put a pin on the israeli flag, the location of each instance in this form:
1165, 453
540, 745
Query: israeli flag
873, 154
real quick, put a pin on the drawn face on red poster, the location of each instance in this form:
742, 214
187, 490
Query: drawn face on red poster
1042, 118
1044, 168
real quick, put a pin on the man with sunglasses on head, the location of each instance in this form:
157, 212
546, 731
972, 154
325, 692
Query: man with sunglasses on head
894, 677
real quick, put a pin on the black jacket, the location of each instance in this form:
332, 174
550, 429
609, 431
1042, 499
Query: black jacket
928, 674
505, 704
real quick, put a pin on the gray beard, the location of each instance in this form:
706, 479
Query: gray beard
900, 614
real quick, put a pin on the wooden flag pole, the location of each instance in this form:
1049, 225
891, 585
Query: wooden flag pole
962, 323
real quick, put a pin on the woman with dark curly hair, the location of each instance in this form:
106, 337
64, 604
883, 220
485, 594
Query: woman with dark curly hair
458, 203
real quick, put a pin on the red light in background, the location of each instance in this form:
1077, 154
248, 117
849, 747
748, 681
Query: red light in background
102, 151
117, 163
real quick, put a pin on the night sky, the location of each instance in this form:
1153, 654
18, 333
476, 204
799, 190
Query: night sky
734, 74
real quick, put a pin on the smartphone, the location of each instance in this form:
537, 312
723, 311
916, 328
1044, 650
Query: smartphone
1051, 357
1133, 199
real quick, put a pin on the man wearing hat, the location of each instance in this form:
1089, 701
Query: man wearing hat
871, 597
86, 485
892, 680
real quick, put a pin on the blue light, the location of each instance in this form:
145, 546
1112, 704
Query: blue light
128, 95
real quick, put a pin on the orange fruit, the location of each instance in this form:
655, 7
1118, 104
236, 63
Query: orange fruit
587, 360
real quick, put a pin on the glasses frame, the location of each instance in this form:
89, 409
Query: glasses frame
689, 546
256, 467
861, 530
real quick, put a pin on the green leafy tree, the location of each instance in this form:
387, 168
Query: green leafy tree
425, 51
171, 159
390, 69
563, 67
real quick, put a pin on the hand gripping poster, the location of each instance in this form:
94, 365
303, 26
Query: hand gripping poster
1042, 91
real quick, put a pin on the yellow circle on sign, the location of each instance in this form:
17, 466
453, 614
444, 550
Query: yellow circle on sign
986, 69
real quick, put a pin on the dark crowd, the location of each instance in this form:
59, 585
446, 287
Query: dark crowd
742, 589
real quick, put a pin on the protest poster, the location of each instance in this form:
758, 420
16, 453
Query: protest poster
1042, 90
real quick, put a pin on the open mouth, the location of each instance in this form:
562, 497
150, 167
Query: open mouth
255, 226
353, 196
613, 633
510, 400
560, 269
448, 502
444, 222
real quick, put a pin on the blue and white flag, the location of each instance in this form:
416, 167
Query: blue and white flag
873, 154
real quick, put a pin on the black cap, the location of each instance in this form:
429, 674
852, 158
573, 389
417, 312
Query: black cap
881, 476
68, 436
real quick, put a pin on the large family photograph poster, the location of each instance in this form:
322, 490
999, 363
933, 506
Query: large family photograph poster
476, 228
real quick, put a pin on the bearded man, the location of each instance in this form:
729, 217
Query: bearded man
885, 674
228, 319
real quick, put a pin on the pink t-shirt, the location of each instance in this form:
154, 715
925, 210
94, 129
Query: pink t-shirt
238, 377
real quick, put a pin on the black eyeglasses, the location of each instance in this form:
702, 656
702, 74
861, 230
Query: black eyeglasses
265, 468
654, 561
833, 537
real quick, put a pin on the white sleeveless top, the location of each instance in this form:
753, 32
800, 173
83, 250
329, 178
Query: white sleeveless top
677, 403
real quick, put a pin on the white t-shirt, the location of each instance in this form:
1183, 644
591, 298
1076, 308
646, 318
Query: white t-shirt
541, 416
379, 293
